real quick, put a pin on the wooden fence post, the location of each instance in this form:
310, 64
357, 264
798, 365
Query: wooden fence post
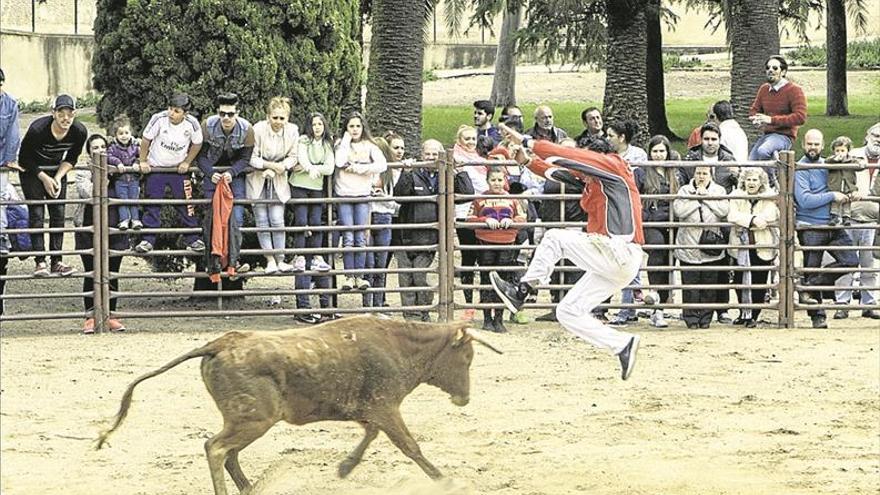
785, 167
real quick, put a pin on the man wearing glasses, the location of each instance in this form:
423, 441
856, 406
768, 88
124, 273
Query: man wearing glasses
779, 108
229, 144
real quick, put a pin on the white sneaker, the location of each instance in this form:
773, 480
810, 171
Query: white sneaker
299, 264
362, 284
137, 224
348, 284
271, 266
651, 297
285, 267
123, 225
658, 320
319, 264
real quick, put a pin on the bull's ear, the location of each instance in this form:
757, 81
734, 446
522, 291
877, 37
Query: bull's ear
461, 337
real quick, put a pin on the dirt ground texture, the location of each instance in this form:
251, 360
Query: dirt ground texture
719, 411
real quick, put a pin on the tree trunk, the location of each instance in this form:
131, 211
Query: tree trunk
504, 82
626, 74
835, 51
394, 79
654, 66
754, 35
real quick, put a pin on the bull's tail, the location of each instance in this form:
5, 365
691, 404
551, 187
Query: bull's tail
207, 350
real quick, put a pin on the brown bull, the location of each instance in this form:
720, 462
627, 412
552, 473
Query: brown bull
354, 369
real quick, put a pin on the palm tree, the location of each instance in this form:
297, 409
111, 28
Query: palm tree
753, 32
504, 81
394, 78
835, 51
626, 91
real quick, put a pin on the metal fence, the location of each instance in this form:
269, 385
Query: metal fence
446, 267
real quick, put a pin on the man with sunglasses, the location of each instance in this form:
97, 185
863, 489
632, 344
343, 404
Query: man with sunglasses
229, 144
169, 144
780, 107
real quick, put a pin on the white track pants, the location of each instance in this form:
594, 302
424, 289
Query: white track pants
608, 264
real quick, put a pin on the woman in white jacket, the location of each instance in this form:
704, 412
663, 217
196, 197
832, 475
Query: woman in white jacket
358, 160
755, 221
275, 151
696, 212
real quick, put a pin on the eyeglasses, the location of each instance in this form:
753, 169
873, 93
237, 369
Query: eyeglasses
774, 68
227, 114
273, 118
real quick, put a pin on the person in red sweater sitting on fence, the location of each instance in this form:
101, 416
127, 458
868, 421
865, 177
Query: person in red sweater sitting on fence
499, 213
780, 107
609, 251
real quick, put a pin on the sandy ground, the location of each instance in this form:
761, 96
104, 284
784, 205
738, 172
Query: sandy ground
718, 411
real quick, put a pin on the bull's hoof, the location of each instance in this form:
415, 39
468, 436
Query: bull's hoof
345, 467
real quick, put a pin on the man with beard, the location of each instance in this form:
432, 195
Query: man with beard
813, 207
544, 130
779, 108
484, 111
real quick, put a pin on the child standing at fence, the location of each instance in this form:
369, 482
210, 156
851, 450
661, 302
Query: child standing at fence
842, 180
499, 213
123, 152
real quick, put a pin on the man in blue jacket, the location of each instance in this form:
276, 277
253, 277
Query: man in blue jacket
813, 207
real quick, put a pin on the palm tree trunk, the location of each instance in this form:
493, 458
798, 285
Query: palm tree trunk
626, 74
504, 82
657, 121
753, 26
394, 79
835, 51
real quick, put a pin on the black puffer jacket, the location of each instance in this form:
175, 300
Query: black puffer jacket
423, 182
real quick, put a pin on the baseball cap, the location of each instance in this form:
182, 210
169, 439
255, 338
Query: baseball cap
64, 101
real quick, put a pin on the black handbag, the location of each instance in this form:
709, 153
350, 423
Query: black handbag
710, 238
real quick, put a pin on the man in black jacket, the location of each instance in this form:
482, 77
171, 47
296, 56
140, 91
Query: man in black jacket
421, 182
711, 150
50, 149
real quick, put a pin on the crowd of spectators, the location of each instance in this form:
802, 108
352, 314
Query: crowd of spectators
284, 171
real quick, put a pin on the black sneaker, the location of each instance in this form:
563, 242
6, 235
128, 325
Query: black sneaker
513, 296
550, 316
488, 325
309, 319
628, 357
819, 322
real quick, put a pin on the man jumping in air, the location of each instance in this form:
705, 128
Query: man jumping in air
608, 251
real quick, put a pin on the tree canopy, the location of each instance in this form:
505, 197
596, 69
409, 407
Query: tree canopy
148, 49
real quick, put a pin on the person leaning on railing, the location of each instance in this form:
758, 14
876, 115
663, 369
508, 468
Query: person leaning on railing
658, 180
756, 221
315, 162
691, 214
276, 142
381, 215
97, 143
357, 160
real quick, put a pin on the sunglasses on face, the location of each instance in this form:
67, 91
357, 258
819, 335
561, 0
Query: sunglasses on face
226, 114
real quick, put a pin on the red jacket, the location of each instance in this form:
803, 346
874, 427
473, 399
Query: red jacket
787, 108
221, 210
610, 199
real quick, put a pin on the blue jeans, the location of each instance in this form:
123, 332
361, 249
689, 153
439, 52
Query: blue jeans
861, 238
303, 282
128, 186
813, 259
627, 298
307, 215
270, 215
354, 213
378, 259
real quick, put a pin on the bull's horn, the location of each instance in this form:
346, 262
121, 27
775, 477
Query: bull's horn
475, 336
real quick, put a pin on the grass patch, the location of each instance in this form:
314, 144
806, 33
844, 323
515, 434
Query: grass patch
441, 122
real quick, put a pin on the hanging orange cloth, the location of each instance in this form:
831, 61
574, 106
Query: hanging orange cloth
221, 207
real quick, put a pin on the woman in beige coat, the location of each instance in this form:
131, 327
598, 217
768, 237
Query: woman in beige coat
755, 216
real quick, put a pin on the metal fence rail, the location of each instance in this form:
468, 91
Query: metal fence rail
447, 290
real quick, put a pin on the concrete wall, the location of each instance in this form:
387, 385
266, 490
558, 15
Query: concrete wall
39, 66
